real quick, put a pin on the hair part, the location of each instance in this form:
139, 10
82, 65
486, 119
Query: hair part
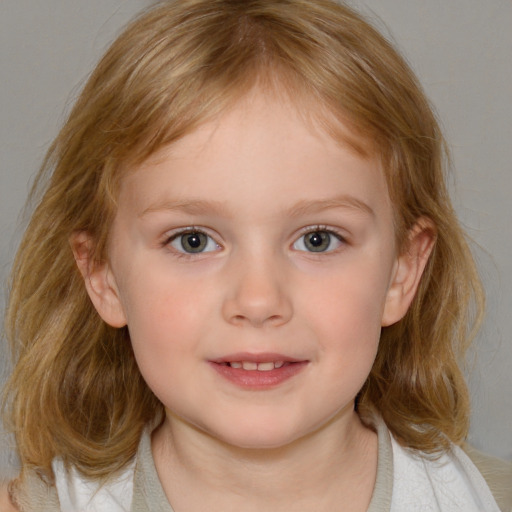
76, 391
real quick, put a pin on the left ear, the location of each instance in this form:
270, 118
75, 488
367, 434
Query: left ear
407, 271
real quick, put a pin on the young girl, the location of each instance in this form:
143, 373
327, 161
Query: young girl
244, 286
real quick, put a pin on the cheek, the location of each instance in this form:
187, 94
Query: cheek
345, 313
165, 317
159, 297
352, 297
349, 340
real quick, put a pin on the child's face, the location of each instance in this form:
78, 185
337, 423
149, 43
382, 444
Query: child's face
255, 240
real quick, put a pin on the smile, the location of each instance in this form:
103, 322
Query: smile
253, 366
258, 372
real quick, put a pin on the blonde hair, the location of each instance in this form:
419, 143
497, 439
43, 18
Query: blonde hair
76, 391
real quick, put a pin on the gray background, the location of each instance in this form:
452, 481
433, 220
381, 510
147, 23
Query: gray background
462, 52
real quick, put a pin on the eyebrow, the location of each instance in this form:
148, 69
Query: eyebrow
191, 206
343, 201
303, 207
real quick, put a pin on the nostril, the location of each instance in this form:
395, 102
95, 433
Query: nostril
256, 320
256, 309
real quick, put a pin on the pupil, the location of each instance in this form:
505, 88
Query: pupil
318, 241
193, 242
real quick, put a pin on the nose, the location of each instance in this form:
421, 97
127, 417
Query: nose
257, 294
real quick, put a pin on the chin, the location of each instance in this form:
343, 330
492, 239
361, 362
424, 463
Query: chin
257, 436
268, 443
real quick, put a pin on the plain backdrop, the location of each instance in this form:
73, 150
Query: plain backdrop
462, 52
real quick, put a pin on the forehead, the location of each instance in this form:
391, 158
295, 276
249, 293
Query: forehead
262, 148
266, 102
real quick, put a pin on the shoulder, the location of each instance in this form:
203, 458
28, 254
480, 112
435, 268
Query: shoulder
497, 473
6, 504
31, 493
449, 480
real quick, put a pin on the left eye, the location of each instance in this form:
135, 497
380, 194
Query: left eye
193, 242
318, 241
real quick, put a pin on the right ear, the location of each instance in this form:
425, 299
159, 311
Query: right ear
99, 280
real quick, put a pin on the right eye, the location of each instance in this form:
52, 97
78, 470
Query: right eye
193, 242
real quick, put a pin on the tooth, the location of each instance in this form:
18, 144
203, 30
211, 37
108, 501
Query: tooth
236, 365
265, 367
278, 364
249, 365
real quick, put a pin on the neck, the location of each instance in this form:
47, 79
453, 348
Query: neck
336, 464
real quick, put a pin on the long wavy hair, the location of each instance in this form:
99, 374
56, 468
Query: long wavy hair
76, 391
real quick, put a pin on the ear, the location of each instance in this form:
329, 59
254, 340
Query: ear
99, 280
407, 271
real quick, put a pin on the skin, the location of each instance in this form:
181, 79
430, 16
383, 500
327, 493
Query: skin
258, 181
5, 502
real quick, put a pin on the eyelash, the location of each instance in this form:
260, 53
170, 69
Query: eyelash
177, 234
303, 232
320, 228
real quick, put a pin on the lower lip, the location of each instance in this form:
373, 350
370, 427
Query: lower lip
259, 380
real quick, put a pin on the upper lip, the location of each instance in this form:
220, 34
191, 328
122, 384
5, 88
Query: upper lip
263, 357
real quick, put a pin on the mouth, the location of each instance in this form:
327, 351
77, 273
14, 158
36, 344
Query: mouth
259, 371
252, 366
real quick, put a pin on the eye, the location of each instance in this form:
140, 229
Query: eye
319, 240
193, 242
